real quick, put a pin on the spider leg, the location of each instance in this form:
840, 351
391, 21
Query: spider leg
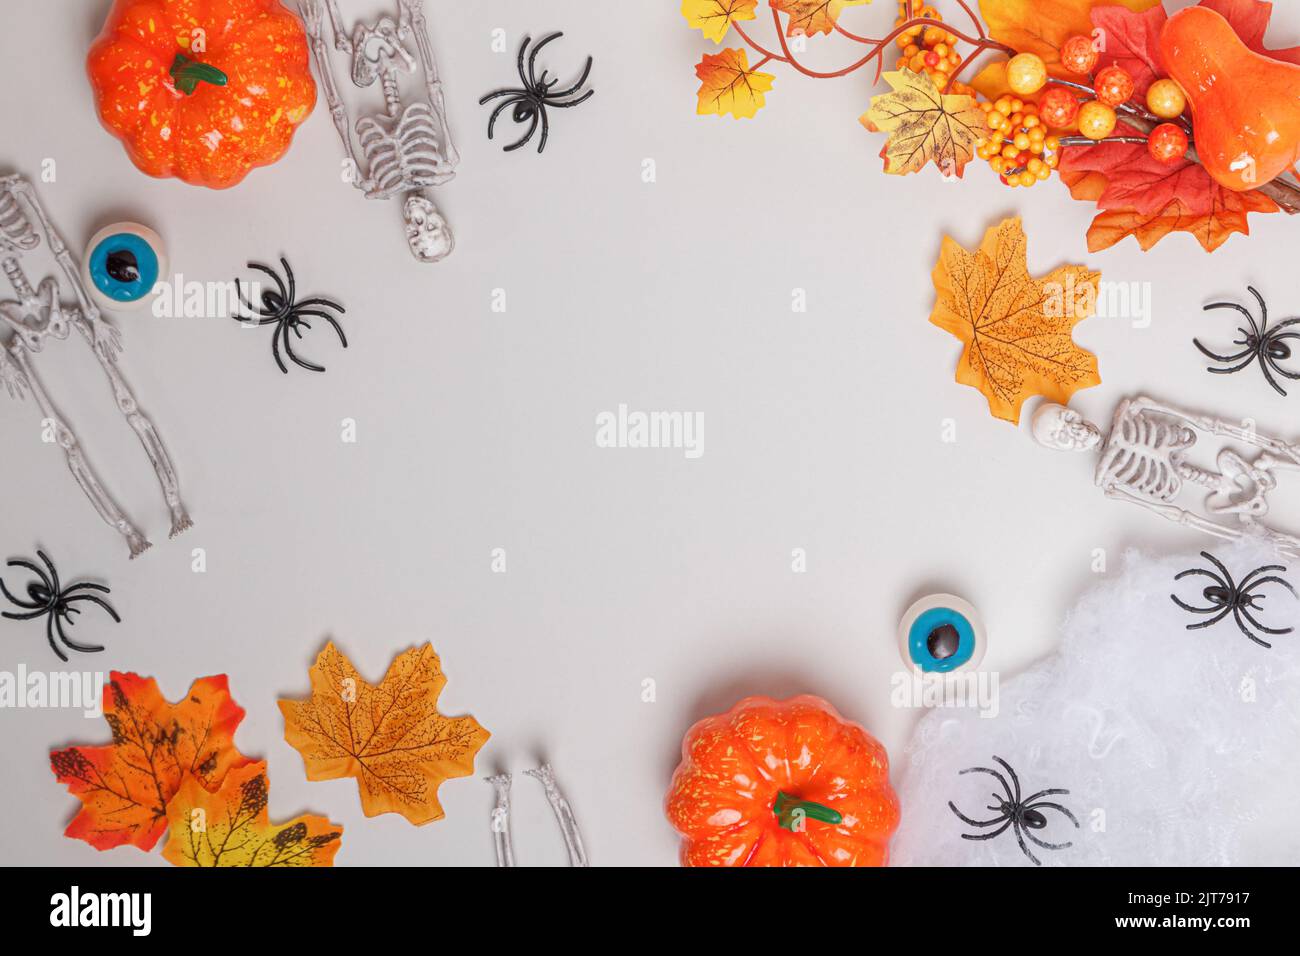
1014, 778
1222, 358
93, 600
1021, 840
523, 49
492, 120
301, 363
494, 95
987, 836
54, 575
1227, 575
253, 311
19, 602
49, 636
330, 319
1195, 610
1248, 582
298, 326
581, 99
532, 128
68, 642
1267, 630
275, 346
1264, 367
326, 303
532, 57
1294, 376
293, 289
1045, 845
1236, 616
546, 128
86, 586
28, 566
279, 284
28, 616
1263, 308
1227, 609
586, 72
1042, 793
1054, 806
1239, 308
975, 823
1001, 779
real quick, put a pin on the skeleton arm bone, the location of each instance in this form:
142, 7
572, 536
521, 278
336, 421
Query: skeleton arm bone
415, 10
311, 14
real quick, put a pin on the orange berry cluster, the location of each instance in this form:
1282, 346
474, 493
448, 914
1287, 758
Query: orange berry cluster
1019, 147
929, 49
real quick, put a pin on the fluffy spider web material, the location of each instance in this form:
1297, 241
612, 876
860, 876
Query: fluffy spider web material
1178, 747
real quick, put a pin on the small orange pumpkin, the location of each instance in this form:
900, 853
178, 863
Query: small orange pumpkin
203, 90
1245, 106
782, 783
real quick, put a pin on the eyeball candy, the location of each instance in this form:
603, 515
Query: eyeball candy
123, 263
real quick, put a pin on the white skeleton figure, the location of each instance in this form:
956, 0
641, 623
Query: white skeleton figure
1145, 461
405, 149
37, 316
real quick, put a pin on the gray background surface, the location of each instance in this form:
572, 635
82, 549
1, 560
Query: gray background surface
476, 429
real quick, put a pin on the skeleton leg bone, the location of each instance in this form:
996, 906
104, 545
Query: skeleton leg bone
77, 463
148, 435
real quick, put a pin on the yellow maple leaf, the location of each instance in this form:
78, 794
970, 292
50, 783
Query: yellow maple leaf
1041, 26
924, 125
727, 85
809, 17
1017, 329
713, 18
232, 828
389, 736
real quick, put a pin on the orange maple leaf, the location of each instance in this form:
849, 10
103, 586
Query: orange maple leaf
714, 18
728, 85
389, 736
231, 827
809, 17
1017, 329
924, 125
125, 786
1041, 26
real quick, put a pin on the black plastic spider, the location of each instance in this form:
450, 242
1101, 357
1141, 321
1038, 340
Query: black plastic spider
1260, 342
1023, 815
531, 100
279, 307
1227, 597
46, 596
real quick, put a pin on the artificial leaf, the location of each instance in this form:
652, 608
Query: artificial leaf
1211, 229
1132, 42
924, 125
713, 18
1137, 180
728, 85
1017, 329
1249, 18
389, 736
810, 17
232, 828
1041, 26
125, 786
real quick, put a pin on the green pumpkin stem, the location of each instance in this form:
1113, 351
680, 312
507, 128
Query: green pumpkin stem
790, 810
188, 74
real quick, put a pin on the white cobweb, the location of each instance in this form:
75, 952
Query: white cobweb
1178, 747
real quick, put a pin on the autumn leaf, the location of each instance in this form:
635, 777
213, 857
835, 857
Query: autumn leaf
125, 786
1249, 18
727, 85
1041, 26
713, 18
389, 736
810, 17
1017, 329
924, 125
232, 828
1211, 229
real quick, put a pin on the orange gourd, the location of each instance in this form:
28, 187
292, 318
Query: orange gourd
1245, 106
203, 90
782, 783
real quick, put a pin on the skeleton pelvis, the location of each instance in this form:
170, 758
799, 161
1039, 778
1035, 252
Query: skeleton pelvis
37, 316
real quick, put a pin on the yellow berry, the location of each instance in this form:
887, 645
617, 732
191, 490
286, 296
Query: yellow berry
1031, 121
1166, 99
1034, 165
1010, 152
997, 164
1026, 73
1096, 120
1053, 143
997, 120
1003, 105
1028, 179
1022, 141
1044, 173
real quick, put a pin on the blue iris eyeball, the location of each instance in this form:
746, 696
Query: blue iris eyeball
941, 634
122, 265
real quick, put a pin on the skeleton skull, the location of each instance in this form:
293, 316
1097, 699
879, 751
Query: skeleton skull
1063, 429
427, 232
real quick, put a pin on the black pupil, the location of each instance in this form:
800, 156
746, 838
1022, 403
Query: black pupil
122, 266
943, 642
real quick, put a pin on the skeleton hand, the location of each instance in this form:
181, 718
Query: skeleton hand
106, 339
12, 376
311, 14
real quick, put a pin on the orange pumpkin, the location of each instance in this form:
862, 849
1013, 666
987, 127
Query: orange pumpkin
1245, 106
203, 90
782, 783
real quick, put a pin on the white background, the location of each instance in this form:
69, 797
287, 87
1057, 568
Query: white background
476, 429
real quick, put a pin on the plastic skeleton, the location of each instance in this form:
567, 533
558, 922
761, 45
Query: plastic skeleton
563, 814
1145, 461
37, 316
405, 148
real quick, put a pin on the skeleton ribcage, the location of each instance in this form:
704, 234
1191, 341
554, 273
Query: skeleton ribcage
404, 155
15, 225
1140, 458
